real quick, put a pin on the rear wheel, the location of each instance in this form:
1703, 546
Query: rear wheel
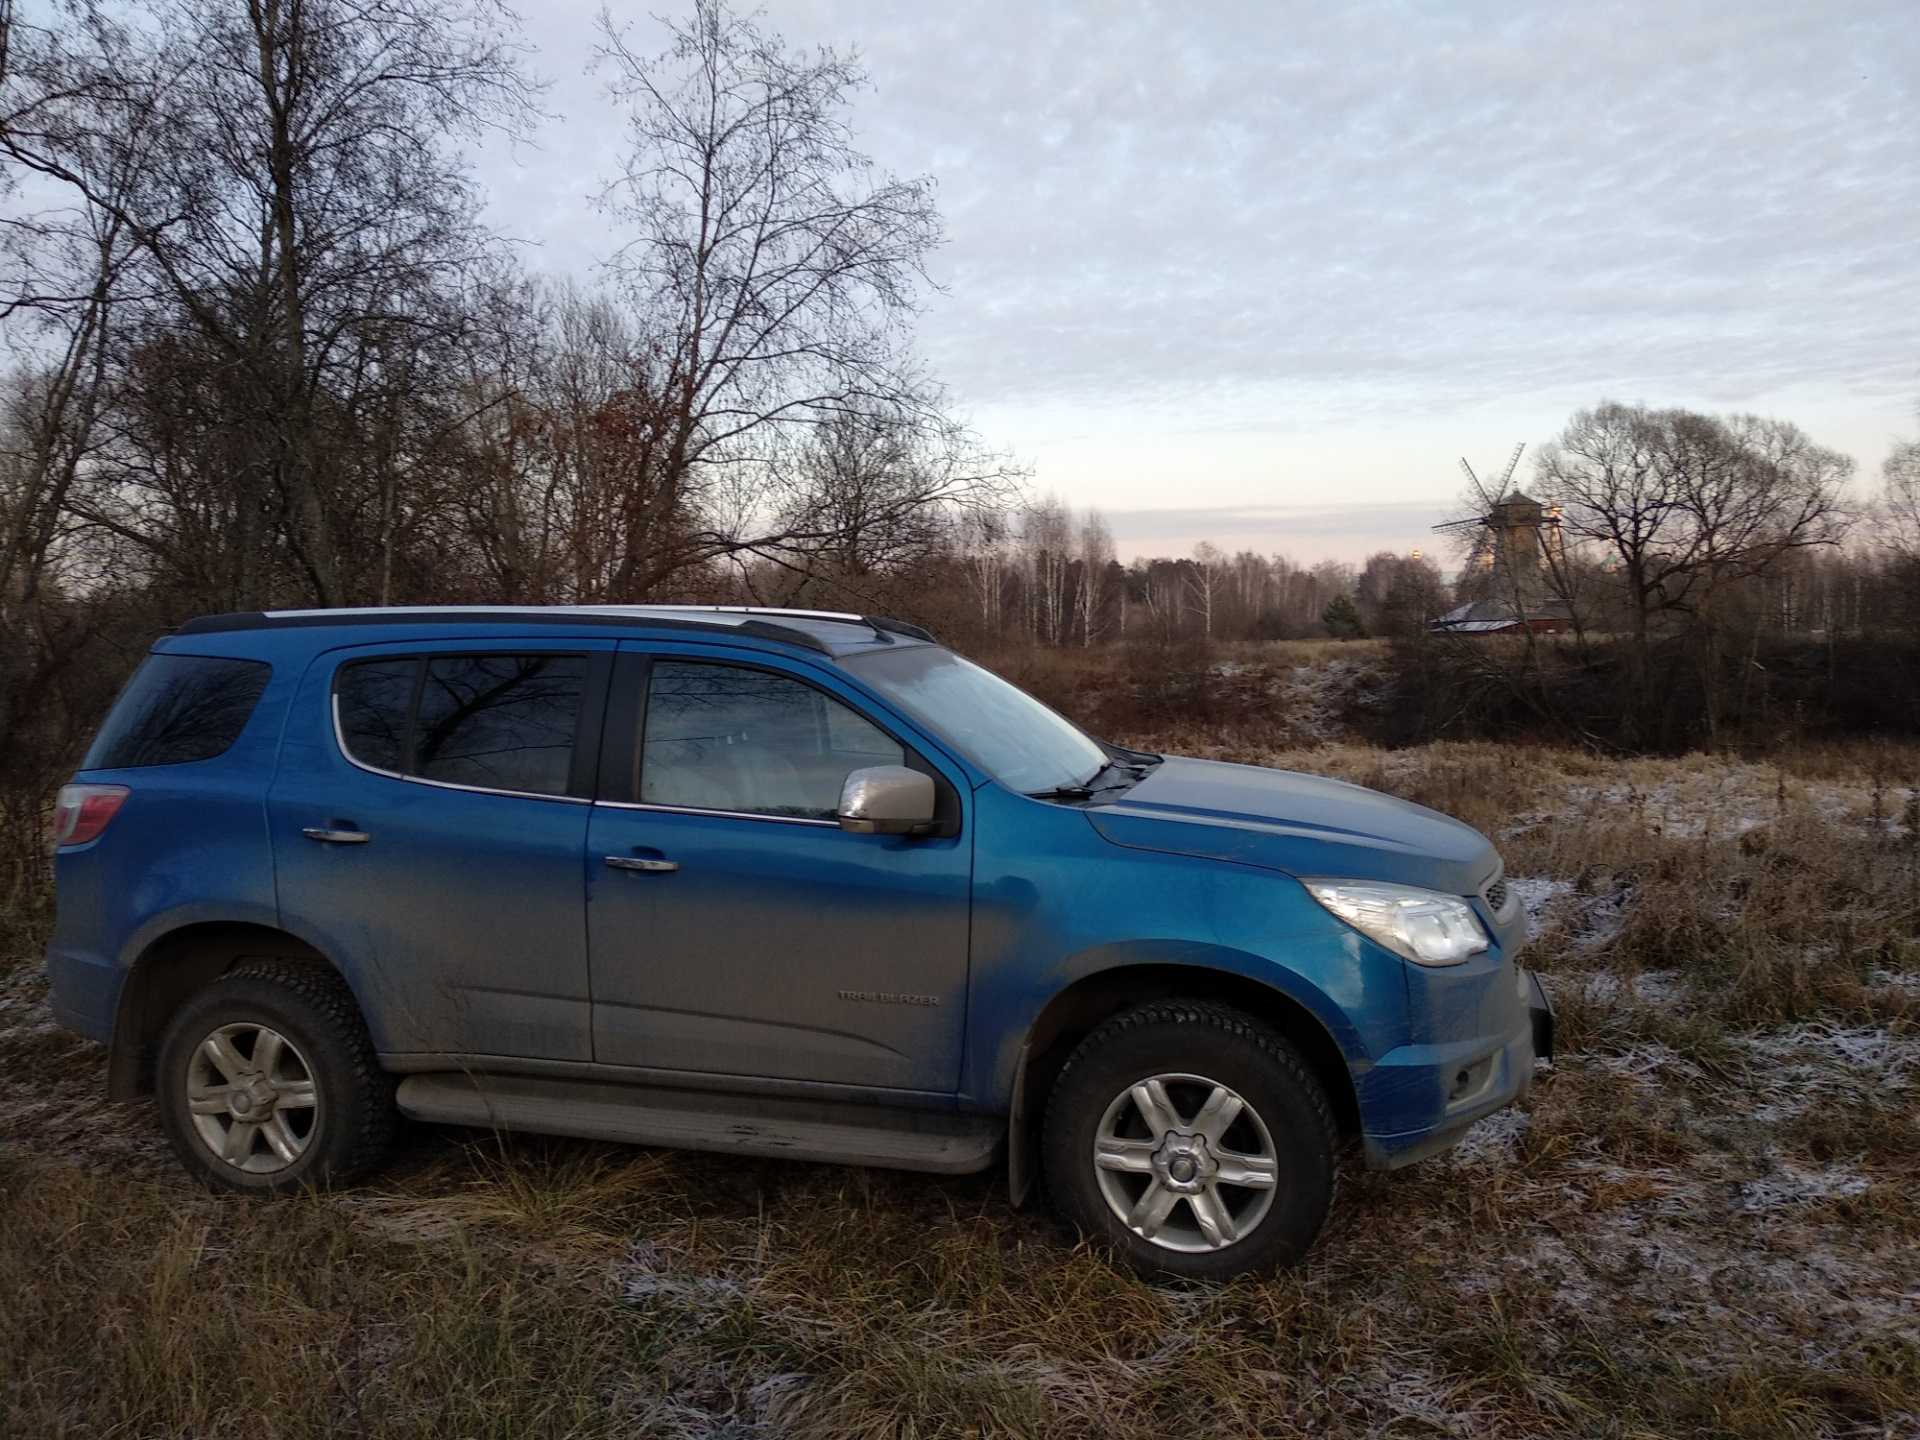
1193, 1139
267, 1080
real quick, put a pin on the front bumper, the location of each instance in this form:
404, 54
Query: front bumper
1455, 1085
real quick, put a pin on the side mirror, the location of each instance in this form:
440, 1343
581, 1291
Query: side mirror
886, 800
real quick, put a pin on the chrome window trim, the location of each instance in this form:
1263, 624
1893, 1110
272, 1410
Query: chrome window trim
340, 744
723, 814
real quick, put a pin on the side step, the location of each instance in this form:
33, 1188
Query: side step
786, 1129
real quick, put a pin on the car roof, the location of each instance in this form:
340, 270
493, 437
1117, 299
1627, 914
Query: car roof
829, 632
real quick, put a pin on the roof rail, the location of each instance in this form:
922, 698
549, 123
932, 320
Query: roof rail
485, 615
754, 610
887, 625
882, 625
755, 620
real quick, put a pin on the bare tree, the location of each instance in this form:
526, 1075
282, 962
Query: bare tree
1096, 563
1690, 512
1681, 504
1046, 567
984, 541
299, 217
1159, 585
776, 276
65, 272
1206, 577
1755, 492
1252, 579
863, 493
1900, 499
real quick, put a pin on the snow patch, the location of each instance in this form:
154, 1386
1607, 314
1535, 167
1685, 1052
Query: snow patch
1790, 1185
1537, 893
1648, 1062
649, 1275
1495, 1140
1665, 989
1725, 801
1316, 698
1797, 1068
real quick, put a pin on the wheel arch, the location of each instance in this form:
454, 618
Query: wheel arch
172, 968
1082, 1007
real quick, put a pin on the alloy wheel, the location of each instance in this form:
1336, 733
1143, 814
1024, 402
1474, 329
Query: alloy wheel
252, 1097
1185, 1162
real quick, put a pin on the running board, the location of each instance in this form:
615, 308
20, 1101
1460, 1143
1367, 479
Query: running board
829, 1131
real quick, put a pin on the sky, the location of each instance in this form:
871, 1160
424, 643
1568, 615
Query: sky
1260, 274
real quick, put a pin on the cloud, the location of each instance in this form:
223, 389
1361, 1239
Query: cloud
1303, 520
1269, 218
1348, 532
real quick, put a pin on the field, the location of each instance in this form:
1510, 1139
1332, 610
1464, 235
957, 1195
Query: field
1705, 1222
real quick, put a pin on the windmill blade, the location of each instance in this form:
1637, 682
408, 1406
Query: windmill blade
1479, 489
1512, 463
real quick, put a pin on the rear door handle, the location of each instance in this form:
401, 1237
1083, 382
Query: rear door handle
650, 867
336, 837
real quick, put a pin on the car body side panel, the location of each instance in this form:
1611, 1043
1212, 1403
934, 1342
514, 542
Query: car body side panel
189, 846
795, 951
1055, 902
461, 922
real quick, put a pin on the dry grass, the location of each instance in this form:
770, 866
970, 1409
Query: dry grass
1706, 1222
1269, 694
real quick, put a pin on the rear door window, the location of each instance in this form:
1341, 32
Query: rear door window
176, 709
503, 722
492, 722
374, 700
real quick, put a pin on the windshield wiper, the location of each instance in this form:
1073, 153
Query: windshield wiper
1087, 789
1062, 792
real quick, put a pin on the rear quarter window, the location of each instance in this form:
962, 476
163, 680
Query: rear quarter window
176, 709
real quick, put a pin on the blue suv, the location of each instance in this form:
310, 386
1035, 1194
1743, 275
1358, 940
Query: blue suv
780, 883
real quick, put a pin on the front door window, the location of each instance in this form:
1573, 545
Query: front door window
749, 742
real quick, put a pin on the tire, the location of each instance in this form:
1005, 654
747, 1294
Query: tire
318, 1112
1190, 1062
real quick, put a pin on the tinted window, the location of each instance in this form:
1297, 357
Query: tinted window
505, 722
178, 708
1022, 743
723, 738
374, 699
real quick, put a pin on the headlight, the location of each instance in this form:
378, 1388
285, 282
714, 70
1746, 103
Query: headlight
1423, 925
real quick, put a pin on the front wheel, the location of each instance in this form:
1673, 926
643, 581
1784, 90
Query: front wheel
1193, 1139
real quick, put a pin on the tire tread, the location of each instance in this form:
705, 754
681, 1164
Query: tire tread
365, 1114
1291, 1068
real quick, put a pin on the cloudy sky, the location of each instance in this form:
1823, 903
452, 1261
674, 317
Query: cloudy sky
1259, 273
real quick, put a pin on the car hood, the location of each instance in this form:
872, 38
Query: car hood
1300, 824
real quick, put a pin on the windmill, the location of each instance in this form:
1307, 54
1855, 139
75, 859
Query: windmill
1519, 528
1508, 535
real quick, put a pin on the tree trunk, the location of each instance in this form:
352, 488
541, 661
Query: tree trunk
308, 525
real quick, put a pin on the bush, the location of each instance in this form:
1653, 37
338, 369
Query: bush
1762, 697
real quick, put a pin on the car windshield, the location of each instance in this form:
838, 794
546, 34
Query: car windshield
1011, 735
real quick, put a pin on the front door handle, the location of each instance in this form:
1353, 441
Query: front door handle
336, 837
650, 867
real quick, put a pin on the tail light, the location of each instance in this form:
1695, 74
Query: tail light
82, 812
